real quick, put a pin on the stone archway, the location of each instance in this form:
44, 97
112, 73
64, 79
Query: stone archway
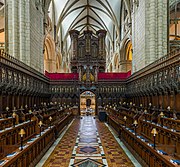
49, 54
125, 62
116, 63
129, 54
111, 68
90, 108
58, 62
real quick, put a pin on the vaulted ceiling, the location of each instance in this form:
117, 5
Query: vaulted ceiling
87, 15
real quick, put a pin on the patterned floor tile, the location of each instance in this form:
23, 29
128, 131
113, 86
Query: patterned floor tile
61, 156
88, 163
114, 154
88, 143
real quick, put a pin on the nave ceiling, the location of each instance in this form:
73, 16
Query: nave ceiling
88, 15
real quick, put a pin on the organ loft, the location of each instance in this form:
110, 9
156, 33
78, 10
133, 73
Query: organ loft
88, 54
90, 83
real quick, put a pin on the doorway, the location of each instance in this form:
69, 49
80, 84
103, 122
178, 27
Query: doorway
87, 103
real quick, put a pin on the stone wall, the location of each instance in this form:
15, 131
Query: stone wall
36, 36
24, 32
149, 27
138, 36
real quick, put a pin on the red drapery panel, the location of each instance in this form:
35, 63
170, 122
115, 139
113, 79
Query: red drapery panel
75, 76
62, 76
113, 76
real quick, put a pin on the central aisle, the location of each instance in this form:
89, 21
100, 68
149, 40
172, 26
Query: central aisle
88, 143
88, 149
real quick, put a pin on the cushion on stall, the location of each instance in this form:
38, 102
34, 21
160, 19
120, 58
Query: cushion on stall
162, 152
174, 161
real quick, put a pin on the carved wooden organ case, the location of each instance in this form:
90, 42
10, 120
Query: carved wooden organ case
88, 54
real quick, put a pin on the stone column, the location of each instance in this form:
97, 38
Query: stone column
24, 32
156, 30
12, 34
149, 32
22, 28
101, 37
74, 43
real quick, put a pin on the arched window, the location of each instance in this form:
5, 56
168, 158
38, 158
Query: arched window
129, 51
129, 56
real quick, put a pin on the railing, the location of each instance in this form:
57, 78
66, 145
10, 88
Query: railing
11, 61
16, 75
160, 76
169, 59
36, 146
142, 150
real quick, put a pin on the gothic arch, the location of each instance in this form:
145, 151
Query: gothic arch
129, 51
64, 67
110, 67
58, 62
129, 56
116, 63
126, 57
49, 54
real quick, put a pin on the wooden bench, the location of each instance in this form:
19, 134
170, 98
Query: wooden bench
146, 154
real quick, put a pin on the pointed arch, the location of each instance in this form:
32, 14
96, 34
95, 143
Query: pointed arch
128, 56
116, 63
49, 54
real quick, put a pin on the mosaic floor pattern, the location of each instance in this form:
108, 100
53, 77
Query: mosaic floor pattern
115, 155
88, 143
61, 155
88, 148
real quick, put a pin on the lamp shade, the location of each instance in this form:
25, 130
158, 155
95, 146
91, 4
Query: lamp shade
125, 118
14, 115
40, 123
22, 132
161, 114
135, 122
154, 131
50, 118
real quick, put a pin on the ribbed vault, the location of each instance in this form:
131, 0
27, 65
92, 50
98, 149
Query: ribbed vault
114, 16
87, 15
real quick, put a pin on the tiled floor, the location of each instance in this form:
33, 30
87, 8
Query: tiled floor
61, 155
88, 143
88, 148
